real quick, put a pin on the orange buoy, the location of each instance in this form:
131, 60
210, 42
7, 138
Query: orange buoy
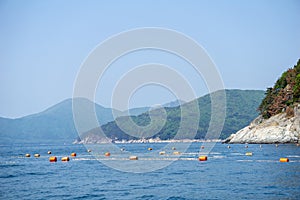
27, 155
150, 149
202, 158
37, 155
107, 154
133, 158
65, 159
284, 160
73, 154
52, 159
49, 152
176, 153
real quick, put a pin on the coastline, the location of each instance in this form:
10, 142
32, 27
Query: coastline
166, 141
278, 129
151, 140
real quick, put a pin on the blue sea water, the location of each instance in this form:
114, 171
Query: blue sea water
227, 174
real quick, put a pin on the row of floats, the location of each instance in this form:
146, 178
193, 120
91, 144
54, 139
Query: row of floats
52, 158
107, 154
35, 155
66, 158
280, 160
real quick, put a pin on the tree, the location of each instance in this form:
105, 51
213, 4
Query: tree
284, 94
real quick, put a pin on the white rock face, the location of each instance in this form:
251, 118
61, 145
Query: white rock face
277, 129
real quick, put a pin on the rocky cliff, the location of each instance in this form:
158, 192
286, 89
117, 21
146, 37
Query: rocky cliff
280, 128
279, 119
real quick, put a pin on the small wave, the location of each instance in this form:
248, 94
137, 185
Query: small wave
112, 181
265, 161
218, 157
36, 173
147, 197
8, 176
162, 185
61, 196
245, 160
81, 159
160, 159
9, 164
187, 159
175, 198
237, 154
293, 156
215, 153
191, 153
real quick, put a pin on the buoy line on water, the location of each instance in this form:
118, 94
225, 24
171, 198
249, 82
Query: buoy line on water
161, 156
143, 159
165, 157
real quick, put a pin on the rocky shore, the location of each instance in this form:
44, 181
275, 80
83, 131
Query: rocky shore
281, 128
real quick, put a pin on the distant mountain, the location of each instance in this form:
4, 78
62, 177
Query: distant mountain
138, 111
134, 111
241, 108
54, 124
174, 103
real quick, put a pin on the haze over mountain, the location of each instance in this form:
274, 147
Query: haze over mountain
53, 124
241, 108
56, 124
139, 110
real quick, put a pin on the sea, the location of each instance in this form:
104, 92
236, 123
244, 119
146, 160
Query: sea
158, 172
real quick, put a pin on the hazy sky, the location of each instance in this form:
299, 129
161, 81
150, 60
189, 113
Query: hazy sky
44, 43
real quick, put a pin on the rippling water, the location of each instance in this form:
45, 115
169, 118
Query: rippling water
227, 174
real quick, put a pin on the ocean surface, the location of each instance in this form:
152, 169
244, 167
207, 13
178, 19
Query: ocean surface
227, 174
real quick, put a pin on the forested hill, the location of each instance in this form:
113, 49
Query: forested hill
241, 109
283, 95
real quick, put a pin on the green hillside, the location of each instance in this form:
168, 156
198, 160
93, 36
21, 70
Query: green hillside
241, 109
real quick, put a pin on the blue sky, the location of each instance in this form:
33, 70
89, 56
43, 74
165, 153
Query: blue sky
44, 43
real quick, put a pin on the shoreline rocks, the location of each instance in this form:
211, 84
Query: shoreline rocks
88, 140
281, 128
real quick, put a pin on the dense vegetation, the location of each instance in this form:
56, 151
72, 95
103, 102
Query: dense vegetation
241, 108
283, 95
